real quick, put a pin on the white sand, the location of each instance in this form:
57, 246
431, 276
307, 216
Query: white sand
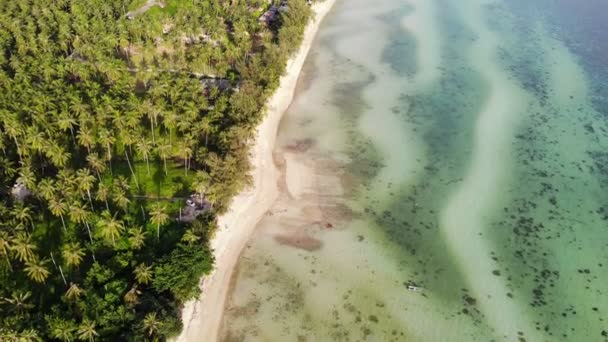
202, 318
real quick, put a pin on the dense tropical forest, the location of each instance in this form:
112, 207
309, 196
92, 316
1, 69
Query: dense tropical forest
124, 130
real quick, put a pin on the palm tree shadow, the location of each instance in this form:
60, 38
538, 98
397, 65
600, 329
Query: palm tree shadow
158, 177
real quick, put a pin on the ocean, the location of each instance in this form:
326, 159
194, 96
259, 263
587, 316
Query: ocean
445, 175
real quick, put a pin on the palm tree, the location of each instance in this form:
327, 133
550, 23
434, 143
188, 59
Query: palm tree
85, 138
143, 274
137, 238
65, 121
73, 254
23, 247
201, 183
66, 180
132, 295
96, 164
59, 156
151, 323
163, 151
58, 208
73, 292
5, 247
29, 335
36, 270
109, 227
61, 329
23, 215
46, 188
86, 331
14, 130
159, 217
107, 140
85, 183
170, 122
119, 197
27, 176
186, 154
144, 147
103, 192
206, 127
19, 302
121, 182
189, 237
35, 139
79, 214
152, 114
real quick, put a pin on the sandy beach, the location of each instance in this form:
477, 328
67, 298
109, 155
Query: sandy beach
202, 317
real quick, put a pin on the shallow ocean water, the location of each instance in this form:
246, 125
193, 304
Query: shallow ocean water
456, 145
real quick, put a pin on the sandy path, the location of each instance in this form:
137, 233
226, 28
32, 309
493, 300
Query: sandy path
202, 317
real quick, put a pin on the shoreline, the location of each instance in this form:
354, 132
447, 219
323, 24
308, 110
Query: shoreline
202, 318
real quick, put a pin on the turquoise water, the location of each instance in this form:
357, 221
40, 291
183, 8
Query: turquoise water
456, 145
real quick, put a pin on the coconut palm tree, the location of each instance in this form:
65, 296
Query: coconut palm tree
85, 181
58, 208
46, 188
103, 192
152, 113
23, 215
86, 331
201, 183
189, 237
143, 274
65, 121
163, 150
96, 164
36, 139
19, 302
185, 154
13, 129
27, 176
158, 216
132, 295
151, 323
107, 140
109, 227
122, 183
144, 147
36, 270
137, 238
73, 292
72, 253
79, 214
66, 181
5, 247
58, 155
170, 122
23, 247
205, 125
119, 197
61, 329
28, 335
85, 138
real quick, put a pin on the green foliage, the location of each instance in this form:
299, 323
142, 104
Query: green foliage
179, 272
107, 125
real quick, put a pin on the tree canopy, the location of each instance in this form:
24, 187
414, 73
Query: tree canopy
107, 126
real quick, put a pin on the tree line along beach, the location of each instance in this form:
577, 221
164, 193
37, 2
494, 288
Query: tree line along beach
120, 121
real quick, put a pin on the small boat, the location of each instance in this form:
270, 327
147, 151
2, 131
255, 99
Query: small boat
414, 288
